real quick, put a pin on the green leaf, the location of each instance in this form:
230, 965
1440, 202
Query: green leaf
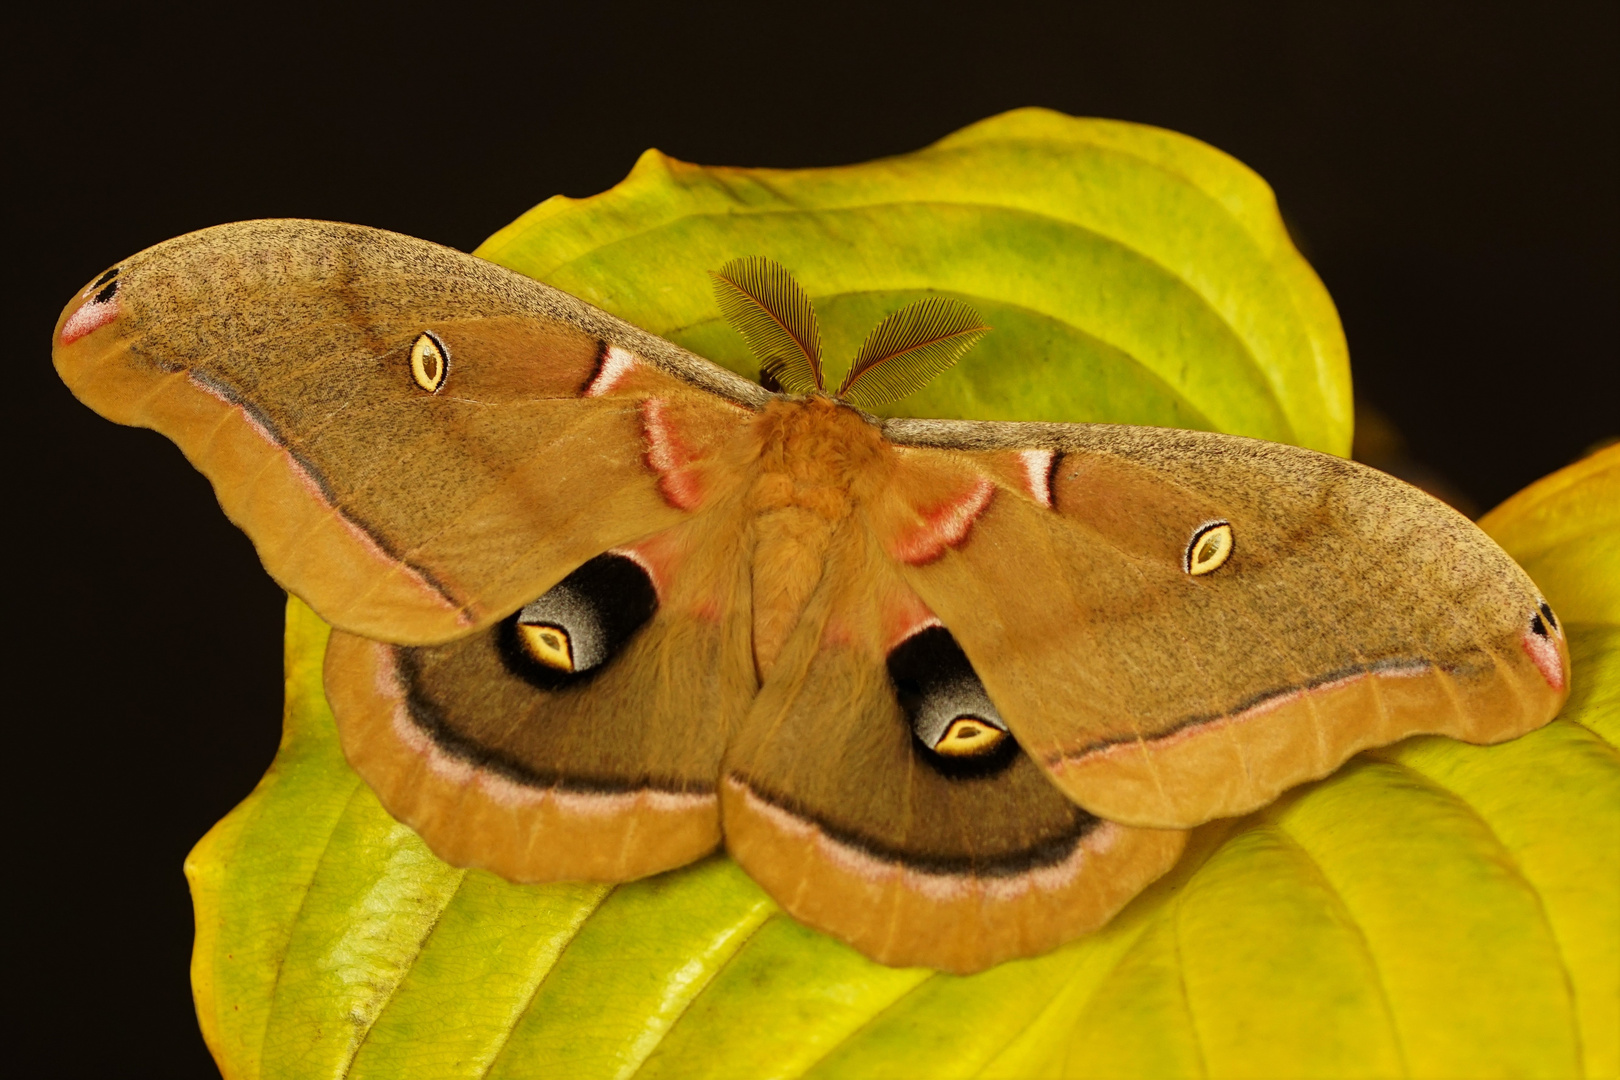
1133, 275
1434, 909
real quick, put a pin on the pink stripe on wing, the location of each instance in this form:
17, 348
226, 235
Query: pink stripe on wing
943, 526
616, 365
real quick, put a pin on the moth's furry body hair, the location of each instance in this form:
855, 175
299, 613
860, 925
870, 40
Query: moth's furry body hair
814, 459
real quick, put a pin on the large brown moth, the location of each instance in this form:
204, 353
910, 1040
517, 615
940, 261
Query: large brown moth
949, 690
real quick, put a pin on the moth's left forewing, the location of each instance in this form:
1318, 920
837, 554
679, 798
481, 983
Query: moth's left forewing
1164, 679
416, 441
420, 444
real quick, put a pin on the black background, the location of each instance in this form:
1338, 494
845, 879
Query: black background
1450, 170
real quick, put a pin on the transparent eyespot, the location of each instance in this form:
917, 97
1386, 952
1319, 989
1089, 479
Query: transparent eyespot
1211, 546
430, 363
549, 645
968, 736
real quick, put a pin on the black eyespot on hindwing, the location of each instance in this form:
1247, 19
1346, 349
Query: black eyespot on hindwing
1547, 614
105, 278
1538, 627
583, 622
955, 725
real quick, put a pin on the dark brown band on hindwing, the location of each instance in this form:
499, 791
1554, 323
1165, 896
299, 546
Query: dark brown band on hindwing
1050, 850
832, 803
474, 807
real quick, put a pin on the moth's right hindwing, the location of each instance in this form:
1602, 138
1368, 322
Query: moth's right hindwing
834, 801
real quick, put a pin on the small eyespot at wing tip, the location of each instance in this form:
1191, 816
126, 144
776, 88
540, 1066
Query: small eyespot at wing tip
89, 318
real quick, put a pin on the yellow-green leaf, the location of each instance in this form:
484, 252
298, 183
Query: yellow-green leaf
1565, 531
1434, 909
1133, 275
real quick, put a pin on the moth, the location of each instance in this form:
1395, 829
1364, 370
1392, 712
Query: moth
951, 691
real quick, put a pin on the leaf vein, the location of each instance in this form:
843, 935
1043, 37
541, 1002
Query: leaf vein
1349, 919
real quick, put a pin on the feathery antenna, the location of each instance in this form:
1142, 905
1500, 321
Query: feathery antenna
763, 303
910, 347
771, 310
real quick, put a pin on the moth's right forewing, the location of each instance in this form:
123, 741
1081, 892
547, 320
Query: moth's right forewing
1164, 682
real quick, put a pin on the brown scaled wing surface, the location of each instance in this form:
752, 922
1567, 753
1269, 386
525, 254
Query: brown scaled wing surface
755, 706
1353, 611
276, 354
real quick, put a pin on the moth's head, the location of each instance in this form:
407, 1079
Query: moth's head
901, 355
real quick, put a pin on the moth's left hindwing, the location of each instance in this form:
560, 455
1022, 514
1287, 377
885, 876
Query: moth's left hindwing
500, 757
